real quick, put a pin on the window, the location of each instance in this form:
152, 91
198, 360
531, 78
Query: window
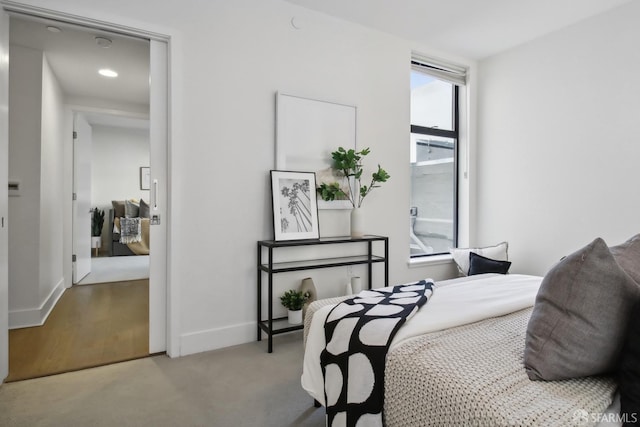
434, 159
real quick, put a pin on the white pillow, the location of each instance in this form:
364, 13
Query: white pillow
461, 255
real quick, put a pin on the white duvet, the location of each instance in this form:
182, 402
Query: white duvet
454, 302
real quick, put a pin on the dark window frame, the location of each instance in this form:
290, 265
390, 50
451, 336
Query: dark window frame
455, 135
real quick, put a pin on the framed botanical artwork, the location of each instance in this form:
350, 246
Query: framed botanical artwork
295, 205
307, 131
145, 183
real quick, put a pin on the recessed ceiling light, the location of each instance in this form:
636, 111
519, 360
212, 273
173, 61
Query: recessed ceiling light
107, 72
103, 41
53, 29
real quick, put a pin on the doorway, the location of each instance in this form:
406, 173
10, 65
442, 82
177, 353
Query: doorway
111, 158
158, 164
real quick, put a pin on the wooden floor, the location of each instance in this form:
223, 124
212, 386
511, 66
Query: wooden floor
91, 325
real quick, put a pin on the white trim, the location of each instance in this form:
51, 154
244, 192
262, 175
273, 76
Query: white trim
107, 111
212, 339
36, 316
41, 12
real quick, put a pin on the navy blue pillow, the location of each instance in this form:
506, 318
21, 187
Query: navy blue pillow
629, 371
479, 265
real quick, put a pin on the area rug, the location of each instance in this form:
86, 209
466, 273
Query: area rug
117, 269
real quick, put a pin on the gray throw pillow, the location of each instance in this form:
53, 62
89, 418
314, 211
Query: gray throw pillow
579, 320
118, 208
628, 256
131, 210
629, 370
144, 209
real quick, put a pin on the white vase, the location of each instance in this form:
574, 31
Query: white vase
356, 222
356, 284
96, 241
347, 289
295, 316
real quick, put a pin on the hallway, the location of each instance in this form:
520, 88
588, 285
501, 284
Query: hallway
90, 325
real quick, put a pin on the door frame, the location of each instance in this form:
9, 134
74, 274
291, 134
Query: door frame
166, 318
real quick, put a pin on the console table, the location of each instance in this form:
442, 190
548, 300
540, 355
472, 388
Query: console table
273, 326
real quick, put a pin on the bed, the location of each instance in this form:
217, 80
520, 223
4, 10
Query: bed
128, 228
459, 361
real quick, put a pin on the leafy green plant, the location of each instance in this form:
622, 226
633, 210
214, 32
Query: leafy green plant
97, 220
349, 163
294, 300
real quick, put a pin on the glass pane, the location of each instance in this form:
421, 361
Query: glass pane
432, 195
431, 102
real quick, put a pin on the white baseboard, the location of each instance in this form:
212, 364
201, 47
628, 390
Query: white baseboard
28, 317
213, 339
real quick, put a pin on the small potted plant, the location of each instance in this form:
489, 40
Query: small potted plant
97, 221
294, 300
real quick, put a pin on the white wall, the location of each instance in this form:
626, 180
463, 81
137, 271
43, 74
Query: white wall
558, 141
118, 154
228, 60
25, 109
228, 144
36, 148
51, 185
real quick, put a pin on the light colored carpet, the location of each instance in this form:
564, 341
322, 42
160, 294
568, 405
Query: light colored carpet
241, 386
117, 269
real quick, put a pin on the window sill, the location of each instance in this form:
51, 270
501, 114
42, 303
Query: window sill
427, 261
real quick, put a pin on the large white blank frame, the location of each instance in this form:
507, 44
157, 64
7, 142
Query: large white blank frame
307, 131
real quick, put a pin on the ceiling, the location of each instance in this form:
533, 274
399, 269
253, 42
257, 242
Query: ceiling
468, 28
75, 58
473, 29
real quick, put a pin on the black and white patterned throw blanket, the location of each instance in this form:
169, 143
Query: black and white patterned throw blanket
358, 333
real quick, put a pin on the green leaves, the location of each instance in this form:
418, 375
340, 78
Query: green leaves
331, 191
294, 300
97, 220
349, 162
363, 191
381, 175
346, 161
